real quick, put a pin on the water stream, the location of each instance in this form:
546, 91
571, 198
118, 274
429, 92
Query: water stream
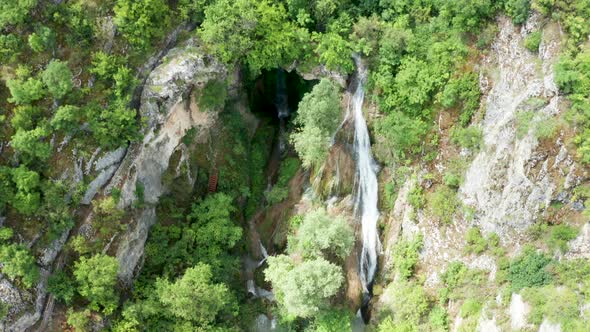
367, 191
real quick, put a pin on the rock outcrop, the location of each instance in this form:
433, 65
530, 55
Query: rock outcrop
170, 110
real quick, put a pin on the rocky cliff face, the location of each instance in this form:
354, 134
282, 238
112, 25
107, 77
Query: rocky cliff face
515, 177
170, 111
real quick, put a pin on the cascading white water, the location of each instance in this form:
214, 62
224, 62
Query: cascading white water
282, 104
367, 191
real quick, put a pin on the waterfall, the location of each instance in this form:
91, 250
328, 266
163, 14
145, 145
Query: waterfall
367, 191
282, 105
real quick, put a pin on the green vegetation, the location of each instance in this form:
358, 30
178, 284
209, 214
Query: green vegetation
532, 41
529, 270
318, 116
96, 278
571, 75
406, 254
303, 289
320, 233
58, 78
443, 203
280, 191
71, 87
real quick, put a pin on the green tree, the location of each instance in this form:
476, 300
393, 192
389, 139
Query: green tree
303, 289
6, 186
61, 286
256, 33
27, 199
25, 91
15, 12
409, 301
30, 143
10, 46
318, 116
42, 39
194, 297
529, 270
66, 118
19, 263
335, 52
518, 10
114, 125
321, 233
58, 78
24, 117
141, 21
97, 279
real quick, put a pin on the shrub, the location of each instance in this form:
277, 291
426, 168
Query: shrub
79, 320
443, 203
318, 116
560, 235
15, 12
470, 308
321, 233
559, 305
213, 95
452, 180
410, 302
518, 10
276, 195
532, 41
529, 270
97, 278
19, 263
406, 256
475, 241
58, 78
142, 21
303, 289
333, 320
469, 138
61, 286
416, 197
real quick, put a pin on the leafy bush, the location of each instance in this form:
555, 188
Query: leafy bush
410, 302
318, 116
303, 289
532, 41
25, 90
560, 235
61, 286
333, 320
518, 10
321, 233
475, 241
97, 278
403, 135
142, 21
58, 78
406, 256
443, 203
452, 180
193, 297
559, 305
15, 12
470, 308
416, 197
79, 320
213, 95
19, 263
529, 270
469, 138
